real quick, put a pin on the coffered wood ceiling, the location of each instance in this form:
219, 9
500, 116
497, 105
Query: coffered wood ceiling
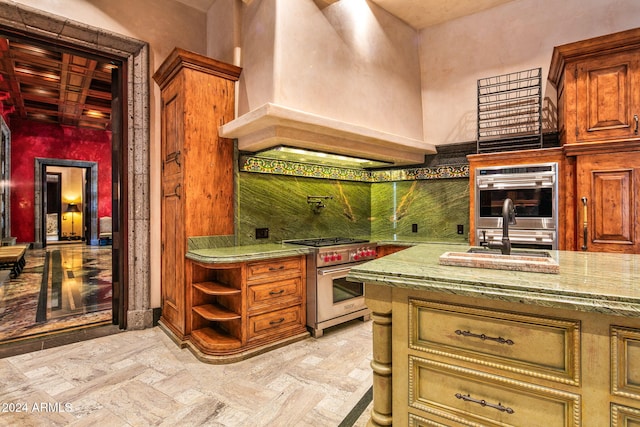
51, 86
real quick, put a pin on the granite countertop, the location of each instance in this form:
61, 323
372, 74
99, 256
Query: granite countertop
588, 281
246, 253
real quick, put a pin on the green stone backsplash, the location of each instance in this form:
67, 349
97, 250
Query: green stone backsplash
383, 210
436, 206
279, 203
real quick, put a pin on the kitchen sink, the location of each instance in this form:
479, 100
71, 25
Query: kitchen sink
519, 252
519, 260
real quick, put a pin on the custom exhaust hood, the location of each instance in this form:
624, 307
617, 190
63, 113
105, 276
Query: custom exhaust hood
273, 125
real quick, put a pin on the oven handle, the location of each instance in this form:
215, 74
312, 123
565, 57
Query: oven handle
324, 272
340, 269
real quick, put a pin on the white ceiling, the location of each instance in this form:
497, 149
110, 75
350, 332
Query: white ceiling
417, 13
425, 13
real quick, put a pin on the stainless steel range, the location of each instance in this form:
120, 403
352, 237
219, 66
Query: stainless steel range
331, 298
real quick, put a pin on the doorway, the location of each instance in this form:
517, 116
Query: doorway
132, 124
81, 190
53, 207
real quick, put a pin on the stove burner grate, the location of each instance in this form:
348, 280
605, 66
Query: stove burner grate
327, 241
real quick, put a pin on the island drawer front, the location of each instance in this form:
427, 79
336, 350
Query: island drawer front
469, 397
625, 362
261, 270
274, 322
624, 416
269, 295
542, 347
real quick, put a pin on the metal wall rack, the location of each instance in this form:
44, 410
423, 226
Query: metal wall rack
510, 111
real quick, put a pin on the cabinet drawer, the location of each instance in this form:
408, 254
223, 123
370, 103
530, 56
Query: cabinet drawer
274, 322
469, 397
538, 346
625, 362
623, 416
276, 267
265, 295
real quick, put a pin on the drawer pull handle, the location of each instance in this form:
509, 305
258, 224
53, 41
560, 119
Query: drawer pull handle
176, 192
585, 225
174, 157
277, 322
483, 337
276, 292
276, 269
483, 402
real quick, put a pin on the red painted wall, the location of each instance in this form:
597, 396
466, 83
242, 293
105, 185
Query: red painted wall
30, 140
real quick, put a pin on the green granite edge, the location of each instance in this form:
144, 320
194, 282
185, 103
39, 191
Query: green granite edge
246, 253
590, 282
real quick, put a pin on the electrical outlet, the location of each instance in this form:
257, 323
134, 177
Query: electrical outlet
262, 233
414, 228
460, 229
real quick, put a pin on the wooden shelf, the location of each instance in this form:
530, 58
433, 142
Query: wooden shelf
210, 339
215, 313
213, 288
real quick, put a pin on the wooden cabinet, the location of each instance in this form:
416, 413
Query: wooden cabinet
598, 84
475, 366
608, 193
625, 376
197, 96
384, 250
443, 359
276, 299
240, 309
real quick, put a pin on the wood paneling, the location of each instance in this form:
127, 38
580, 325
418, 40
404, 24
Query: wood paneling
55, 86
611, 185
598, 82
197, 168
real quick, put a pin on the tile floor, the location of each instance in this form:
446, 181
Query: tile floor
141, 378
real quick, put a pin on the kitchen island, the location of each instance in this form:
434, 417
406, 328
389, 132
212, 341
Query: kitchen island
474, 346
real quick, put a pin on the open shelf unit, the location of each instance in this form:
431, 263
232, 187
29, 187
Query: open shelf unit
238, 309
217, 307
510, 111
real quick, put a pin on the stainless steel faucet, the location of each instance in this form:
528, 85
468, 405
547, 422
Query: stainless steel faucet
508, 218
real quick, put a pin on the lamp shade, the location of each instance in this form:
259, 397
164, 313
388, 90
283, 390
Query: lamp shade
72, 207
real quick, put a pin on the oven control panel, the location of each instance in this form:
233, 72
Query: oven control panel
346, 255
364, 253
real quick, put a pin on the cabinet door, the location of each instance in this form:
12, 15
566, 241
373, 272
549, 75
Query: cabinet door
173, 253
607, 98
172, 234
607, 197
172, 128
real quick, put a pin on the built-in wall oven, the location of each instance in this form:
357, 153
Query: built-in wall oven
331, 298
534, 191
